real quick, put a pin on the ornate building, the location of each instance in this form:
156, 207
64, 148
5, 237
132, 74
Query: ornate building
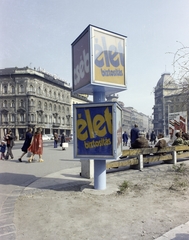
169, 98
33, 98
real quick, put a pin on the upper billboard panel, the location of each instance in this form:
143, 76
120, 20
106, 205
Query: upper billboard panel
109, 57
99, 62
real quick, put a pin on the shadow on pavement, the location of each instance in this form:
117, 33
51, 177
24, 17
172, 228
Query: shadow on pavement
181, 236
63, 182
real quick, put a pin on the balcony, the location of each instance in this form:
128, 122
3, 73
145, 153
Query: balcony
55, 125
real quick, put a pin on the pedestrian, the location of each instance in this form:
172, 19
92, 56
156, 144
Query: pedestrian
125, 138
153, 137
147, 136
134, 134
63, 140
2, 150
36, 146
55, 139
26, 144
141, 141
9, 137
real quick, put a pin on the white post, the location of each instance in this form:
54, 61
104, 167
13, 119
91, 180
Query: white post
174, 153
141, 163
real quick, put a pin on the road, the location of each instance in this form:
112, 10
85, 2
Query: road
15, 175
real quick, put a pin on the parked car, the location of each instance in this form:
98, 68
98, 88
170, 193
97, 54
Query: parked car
67, 138
45, 137
51, 136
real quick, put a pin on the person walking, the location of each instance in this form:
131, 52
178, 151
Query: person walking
9, 137
26, 144
3, 150
63, 140
55, 139
147, 136
36, 146
134, 134
153, 137
125, 138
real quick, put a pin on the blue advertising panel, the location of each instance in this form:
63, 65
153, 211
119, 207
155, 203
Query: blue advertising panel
95, 131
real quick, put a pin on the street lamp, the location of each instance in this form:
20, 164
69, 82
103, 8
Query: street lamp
168, 110
166, 126
164, 129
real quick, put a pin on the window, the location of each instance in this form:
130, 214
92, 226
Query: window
21, 88
68, 120
5, 117
39, 90
21, 117
39, 104
45, 106
32, 102
12, 89
21, 103
32, 118
5, 89
12, 118
59, 108
54, 107
50, 119
31, 88
55, 95
39, 118
5, 103
45, 92
12, 103
63, 109
50, 107
45, 119
50, 93
67, 109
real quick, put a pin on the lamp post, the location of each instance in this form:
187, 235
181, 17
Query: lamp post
166, 126
164, 129
168, 110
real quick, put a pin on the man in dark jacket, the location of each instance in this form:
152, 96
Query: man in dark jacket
63, 140
153, 137
141, 141
125, 138
134, 134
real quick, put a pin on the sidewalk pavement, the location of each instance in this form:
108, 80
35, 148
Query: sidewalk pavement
55, 181
63, 178
66, 178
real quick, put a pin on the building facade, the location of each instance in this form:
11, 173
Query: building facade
33, 98
77, 99
169, 98
131, 116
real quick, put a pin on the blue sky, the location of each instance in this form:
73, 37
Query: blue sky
39, 33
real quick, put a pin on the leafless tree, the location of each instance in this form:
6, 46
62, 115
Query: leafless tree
180, 73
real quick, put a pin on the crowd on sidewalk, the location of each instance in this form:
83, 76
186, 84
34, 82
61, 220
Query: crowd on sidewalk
33, 145
140, 139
